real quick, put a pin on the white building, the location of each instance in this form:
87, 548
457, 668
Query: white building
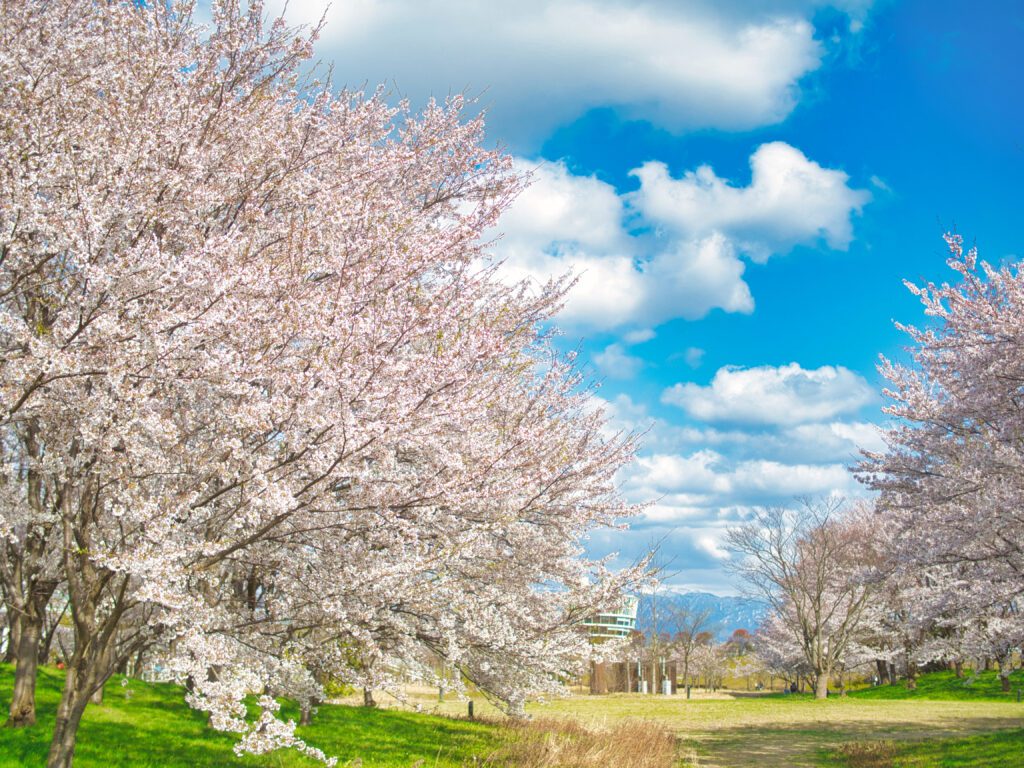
614, 625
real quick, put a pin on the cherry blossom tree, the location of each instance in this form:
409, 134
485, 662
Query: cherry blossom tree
284, 412
710, 664
779, 651
950, 479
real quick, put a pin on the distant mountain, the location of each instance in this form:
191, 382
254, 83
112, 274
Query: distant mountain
727, 614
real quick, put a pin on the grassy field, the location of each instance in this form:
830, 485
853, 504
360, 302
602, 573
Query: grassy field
154, 728
942, 723
797, 730
946, 686
1003, 748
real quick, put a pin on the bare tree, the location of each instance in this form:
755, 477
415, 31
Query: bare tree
687, 626
806, 563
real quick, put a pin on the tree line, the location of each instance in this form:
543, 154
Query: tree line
929, 571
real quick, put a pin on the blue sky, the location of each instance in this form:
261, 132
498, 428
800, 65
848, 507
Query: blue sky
742, 187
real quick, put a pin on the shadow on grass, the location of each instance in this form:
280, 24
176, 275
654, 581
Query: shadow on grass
991, 749
807, 744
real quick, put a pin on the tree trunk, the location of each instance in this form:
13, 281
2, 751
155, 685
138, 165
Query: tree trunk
13, 632
517, 708
23, 701
45, 644
50, 632
73, 701
821, 686
1005, 668
368, 698
306, 714
94, 657
97, 696
958, 666
137, 666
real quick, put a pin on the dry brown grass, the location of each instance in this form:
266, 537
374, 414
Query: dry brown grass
869, 754
559, 743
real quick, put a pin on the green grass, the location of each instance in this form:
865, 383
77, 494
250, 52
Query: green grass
1003, 748
156, 729
946, 686
942, 723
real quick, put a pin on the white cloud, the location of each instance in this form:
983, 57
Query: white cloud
682, 257
615, 363
879, 183
697, 473
790, 201
639, 336
785, 395
707, 484
699, 480
621, 413
693, 356
838, 440
565, 223
713, 546
542, 63
777, 480
809, 443
560, 210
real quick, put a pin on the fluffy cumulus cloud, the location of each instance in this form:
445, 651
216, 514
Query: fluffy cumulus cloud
541, 63
616, 363
790, 200
679, 255
568, 224
562, 213
703, 478
704, 483
810, 443
785, 395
